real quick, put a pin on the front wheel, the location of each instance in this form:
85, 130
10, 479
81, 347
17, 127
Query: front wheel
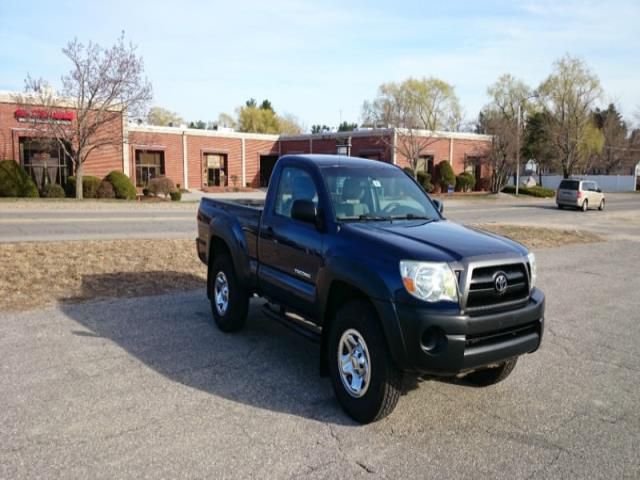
585, 205
229, 301
601, 206
365, 380
491, 376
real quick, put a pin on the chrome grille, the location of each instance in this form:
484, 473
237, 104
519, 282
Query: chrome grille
483, 296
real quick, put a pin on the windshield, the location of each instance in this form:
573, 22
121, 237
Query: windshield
376, 193
569, 185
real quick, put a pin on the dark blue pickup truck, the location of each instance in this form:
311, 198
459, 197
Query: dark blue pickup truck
354, 254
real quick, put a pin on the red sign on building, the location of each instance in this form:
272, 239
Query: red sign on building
23, 115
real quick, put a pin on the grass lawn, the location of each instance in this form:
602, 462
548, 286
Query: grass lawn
540, 237
38, 274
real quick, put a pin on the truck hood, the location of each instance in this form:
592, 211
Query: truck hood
437, 241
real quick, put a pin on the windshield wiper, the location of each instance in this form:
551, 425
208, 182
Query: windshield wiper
369, 216
366, 217
411, 216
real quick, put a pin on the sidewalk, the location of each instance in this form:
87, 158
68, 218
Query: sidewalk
196, 195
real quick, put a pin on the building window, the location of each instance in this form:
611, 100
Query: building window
149, 164
215, 169
45, 160
426, 164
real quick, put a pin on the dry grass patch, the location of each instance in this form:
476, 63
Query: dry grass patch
540, 237
38, 274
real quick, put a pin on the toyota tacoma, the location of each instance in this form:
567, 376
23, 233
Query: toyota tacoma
355, 255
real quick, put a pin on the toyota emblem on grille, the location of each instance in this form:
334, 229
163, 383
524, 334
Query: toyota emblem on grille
500, 283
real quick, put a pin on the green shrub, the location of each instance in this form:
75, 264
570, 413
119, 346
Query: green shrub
15, 181
446, 176
465, 182
161, 186
176, 195
122, 185
90, 186
53, 190
409, 171
105, 190
535, 191
424, 179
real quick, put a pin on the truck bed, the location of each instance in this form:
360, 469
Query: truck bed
246, 212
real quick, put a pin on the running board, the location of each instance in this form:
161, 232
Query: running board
293, 322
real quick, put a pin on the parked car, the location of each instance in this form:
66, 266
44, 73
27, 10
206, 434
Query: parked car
582, 194
354, 254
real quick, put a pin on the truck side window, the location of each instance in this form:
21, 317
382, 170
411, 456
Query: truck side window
295, 184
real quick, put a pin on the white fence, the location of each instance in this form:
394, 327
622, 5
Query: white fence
608, 183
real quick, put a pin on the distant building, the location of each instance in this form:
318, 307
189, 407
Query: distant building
214, 158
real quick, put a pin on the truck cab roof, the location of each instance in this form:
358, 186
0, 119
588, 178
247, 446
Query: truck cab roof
326, 160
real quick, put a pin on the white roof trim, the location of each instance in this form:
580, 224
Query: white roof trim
379, 132
56, 102
202, 133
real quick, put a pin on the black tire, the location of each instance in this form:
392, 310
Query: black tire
234, 316
585, 205
561, 207
601, 206
491, 376
385, 382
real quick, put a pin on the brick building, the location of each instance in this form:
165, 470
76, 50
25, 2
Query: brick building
209, 158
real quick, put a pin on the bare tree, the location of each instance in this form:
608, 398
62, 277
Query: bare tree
501, 157
568, 97
418, 107
509, 98
102, 88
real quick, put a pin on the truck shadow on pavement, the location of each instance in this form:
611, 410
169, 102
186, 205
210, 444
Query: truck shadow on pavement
264, 366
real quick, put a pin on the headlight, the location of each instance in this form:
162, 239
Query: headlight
429, 281
532, 265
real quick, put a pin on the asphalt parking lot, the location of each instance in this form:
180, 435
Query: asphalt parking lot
148, 388
47, 221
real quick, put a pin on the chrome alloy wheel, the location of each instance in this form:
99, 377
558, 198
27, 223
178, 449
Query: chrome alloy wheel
354, 363
221, 293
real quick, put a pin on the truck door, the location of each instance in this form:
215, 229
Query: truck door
290, 251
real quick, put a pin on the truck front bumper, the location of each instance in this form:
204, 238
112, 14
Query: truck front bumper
445, 344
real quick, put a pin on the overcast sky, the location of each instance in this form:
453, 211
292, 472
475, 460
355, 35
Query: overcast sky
320, 59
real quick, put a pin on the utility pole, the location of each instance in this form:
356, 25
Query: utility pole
518, 148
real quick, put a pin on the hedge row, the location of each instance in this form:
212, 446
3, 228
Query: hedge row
465, 182
16, 182
535, 191
90, 186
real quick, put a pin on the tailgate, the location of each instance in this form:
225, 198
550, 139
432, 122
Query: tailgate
571, 195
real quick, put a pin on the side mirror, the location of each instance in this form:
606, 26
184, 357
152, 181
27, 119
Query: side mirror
439, 205
599, 190
304, 211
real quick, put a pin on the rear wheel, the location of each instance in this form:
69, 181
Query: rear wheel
229, 301
365, 380
560, 206
491, 376
601, 206
585, 205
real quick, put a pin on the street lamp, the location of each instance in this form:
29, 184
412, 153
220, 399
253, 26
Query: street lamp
535, 95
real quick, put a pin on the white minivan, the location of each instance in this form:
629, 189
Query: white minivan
582, 194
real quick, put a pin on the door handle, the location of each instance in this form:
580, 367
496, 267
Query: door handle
268, 233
